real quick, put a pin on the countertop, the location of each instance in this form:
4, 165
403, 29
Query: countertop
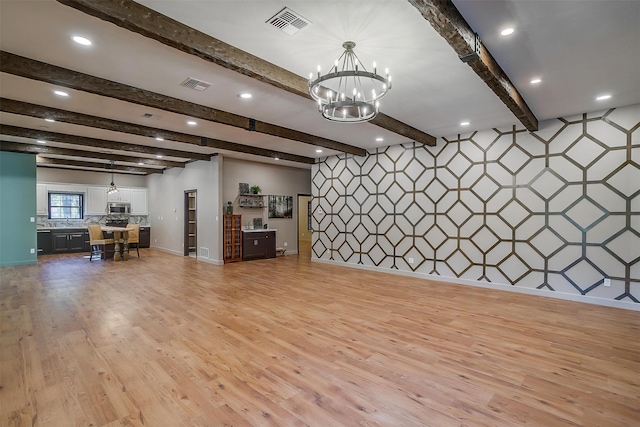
256, 230
77, 227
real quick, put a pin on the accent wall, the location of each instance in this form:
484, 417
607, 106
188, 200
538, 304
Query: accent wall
552, 212
17, 207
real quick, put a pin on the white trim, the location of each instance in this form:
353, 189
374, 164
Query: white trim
489, 285
171, 251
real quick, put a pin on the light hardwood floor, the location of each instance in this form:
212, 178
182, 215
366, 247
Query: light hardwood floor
164, 340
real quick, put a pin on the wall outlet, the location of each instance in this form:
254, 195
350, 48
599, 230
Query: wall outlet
411, 260
33, 251
32, 219
607, 282
285, 243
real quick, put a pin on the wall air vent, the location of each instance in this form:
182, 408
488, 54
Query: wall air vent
195, 84
288, 21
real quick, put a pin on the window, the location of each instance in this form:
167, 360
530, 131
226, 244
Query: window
66, 205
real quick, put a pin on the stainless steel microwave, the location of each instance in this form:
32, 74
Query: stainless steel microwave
119, 208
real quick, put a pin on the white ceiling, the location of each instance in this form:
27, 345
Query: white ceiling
580, 49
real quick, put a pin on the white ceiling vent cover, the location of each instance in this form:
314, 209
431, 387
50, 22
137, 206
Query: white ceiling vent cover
288, 21
195, 84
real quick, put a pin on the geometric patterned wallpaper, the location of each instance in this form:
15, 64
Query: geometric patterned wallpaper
556, 209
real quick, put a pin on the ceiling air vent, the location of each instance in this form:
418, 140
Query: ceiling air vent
195, 84
288, 21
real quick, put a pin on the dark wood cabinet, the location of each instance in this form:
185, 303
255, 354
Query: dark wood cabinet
258, 245
44, 242
232, 238
68, 241
145, 237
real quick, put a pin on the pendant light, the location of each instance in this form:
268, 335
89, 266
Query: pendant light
112, 187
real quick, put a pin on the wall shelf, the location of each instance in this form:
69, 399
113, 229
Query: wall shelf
251, 201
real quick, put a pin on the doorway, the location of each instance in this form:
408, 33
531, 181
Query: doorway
190, 224
305, 231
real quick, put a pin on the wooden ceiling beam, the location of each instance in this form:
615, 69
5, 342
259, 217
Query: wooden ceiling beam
98, 143
41, 71
149, 23
445, 18
44, 149
51, 162
40, 111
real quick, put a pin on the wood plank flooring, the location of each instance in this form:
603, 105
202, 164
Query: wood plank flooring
164, 340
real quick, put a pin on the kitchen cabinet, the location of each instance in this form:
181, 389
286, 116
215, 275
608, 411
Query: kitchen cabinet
258, 244
69, 240
139, 205
122, 196
44, 242
42, 199
96, 200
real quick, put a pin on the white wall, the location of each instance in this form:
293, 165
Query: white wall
274, 180
166, 207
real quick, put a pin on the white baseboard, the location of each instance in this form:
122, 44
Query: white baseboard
490, 285
171, 251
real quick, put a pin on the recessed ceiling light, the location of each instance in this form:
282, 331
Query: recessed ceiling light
60, 93
39, 141
507, 32
159, 156
158, 138
379, 139
603, 97
191, 123
49, 120
465, 123
245, 95
535, 81
318, 151
276, 158
140, 164
81, 40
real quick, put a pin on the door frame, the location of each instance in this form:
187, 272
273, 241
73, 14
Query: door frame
185, 250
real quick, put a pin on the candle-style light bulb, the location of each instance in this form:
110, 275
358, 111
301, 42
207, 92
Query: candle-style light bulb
374, 67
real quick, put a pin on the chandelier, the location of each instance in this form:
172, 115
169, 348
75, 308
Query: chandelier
112, 187
348, 92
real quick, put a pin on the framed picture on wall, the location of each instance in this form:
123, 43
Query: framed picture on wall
280, 206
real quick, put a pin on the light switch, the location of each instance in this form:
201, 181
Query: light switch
32, 219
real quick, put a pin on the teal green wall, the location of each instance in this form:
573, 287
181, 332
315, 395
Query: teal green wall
18, 235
